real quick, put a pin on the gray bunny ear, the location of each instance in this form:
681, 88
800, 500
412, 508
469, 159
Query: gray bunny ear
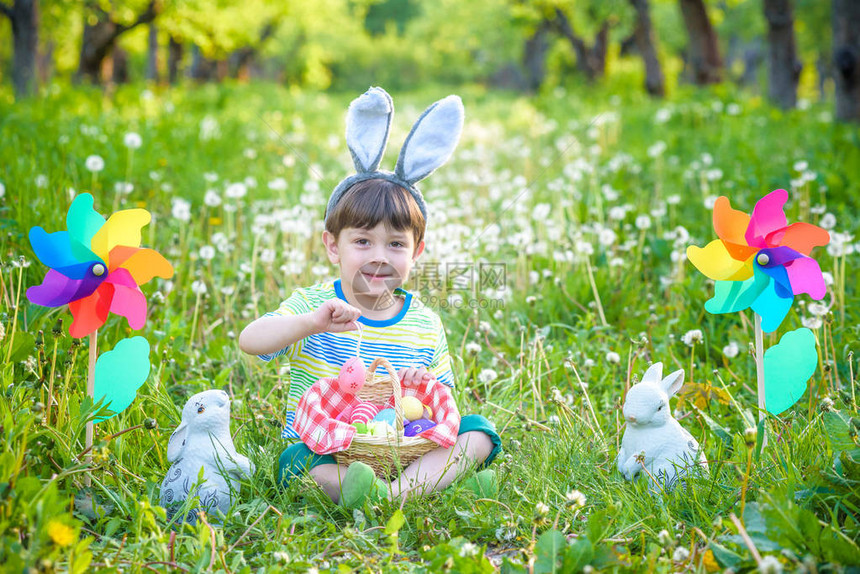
431, 141
367, 123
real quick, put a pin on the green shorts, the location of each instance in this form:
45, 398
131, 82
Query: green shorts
298, 459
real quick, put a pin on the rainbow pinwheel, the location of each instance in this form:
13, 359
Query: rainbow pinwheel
96, 266
759, 261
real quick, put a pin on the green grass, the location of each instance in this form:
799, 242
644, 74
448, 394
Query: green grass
534, 185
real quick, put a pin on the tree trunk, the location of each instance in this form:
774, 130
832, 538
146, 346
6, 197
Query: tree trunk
152, 54
202, 68
174, 59
24, 17
752, 60
703, 54
589, 60
534, 56
100, 38
783, 70
119, 72
846, 59
643, 33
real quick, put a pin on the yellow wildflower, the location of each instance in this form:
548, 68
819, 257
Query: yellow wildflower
61, 534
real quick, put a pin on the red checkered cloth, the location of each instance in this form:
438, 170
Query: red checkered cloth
322, 403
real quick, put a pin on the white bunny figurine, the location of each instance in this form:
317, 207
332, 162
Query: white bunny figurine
203, 440
666, 449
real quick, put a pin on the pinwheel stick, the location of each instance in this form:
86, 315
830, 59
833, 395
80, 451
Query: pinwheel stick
91, 380
759, 370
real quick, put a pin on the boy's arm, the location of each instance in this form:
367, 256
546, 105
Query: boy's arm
270, 334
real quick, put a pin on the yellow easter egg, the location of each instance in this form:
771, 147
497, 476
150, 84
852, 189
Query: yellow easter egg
412, 408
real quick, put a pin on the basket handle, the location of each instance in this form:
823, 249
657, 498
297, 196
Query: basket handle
395, 386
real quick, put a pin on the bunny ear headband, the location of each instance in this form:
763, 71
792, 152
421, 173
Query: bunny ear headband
429, 145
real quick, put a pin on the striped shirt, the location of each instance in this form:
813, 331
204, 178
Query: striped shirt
412, 338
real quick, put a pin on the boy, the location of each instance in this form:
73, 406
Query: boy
374, 232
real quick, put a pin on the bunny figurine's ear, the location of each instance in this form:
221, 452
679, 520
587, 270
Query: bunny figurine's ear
177, 442
673, 383
654, 373
367, 123
431, 141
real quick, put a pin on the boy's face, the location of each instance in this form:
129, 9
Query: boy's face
373, 262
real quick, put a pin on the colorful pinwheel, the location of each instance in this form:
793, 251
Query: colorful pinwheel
759, 261
96, 266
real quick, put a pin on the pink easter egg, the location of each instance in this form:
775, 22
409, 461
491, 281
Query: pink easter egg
363, 412
351, 377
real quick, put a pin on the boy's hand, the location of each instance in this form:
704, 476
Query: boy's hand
335, 316
412, 376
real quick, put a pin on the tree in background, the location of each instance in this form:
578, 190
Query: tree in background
24, 17
646, 45
846, 58
783, 70
703, 54
102, 28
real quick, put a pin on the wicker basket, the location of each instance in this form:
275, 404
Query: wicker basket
385, 454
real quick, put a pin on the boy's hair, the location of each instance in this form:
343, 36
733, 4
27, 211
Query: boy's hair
369, 202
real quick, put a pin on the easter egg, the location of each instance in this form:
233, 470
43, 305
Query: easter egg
413, 409
417, 427
361, 428
386, 416
351, 377
380, 429
363, 412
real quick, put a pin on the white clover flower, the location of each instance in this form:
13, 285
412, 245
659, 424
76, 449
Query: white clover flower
41, 181
267, 255
541, 509
132, 140
94, 163
827, 221
715, 174
207, 252
828, 278
473, 348
209, 128
731, 350
800, 165
584, 247
198, 287
733, 109
818, 309
487, 376
657, 149
811, 322
251, 182
484, 327
589, 362
643, 222
210, 177
692, 337
228, 290
665, 538
575, 498
2, 189
607, 237
123, 187
663, 115
211, 198
617, 213
710, 201
289, 161
468, 549
613, 357
236, 190
770, 565
181, 209
680, 554
278, 184
673, 199
250, 153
